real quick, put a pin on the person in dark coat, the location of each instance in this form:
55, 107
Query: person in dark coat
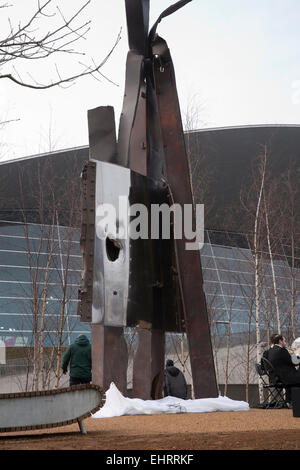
265, 355
79, 356
174, 381
281, 360
266, 352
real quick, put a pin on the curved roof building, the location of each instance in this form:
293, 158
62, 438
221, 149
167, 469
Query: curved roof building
44, 191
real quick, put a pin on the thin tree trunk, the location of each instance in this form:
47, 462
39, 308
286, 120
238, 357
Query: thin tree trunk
272, 268
62, 311
43, 311
256, 264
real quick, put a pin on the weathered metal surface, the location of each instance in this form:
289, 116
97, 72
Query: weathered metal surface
148, 374
133, 279
122, 267
111, 260
137, 15
132, 144
102, 134
160, 282
133, 88
188, 261
50, 408
85, 293
109, 357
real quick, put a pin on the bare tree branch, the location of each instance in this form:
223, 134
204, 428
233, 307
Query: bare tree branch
29, 41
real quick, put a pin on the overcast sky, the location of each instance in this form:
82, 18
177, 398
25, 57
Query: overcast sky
238, 60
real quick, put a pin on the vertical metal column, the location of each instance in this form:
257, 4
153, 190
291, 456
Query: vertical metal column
188, 261
148, 364
109, 357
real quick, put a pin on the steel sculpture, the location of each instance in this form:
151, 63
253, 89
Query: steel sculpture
155, 283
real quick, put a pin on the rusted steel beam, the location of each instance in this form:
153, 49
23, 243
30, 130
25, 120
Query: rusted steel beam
128, 119
109, 357
137, 15
87, 240
151, 145
148, 365
102, 134
188, 261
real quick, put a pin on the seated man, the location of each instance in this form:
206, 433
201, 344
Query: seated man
174, 381
265, 355
272, 339
281, 360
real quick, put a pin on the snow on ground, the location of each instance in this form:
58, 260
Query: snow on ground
118, 405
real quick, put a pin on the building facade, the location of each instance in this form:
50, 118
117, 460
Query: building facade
41, 262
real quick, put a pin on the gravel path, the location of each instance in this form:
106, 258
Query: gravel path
190, 431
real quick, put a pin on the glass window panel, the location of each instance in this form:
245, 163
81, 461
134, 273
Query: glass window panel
29, 230
14, 339
206, 237
210, 275
207, 262
283, 283
15, 305
10, 322
75, 325
223, 252
72, 308
219, 315
74, 276
24, 259
24, 323
15, 289
68, 233
205, 250
238, 290
235, 277
38, 245
238, 302
215, 301
18, 289
52, 339
242, 316
220, 329
71, 248
14, 274
228, 238
212, 288
24, 274
25, 306
242, 327
234, 265
11, 229
21, 259
75, 262
12, 243
293, 261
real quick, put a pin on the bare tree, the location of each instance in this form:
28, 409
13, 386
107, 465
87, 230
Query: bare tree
46, 34
201, 171
48, 245
289, 214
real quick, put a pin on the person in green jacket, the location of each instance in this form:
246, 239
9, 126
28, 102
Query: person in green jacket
79, 356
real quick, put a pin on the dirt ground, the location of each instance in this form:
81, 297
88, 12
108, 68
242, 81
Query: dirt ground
248, 430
